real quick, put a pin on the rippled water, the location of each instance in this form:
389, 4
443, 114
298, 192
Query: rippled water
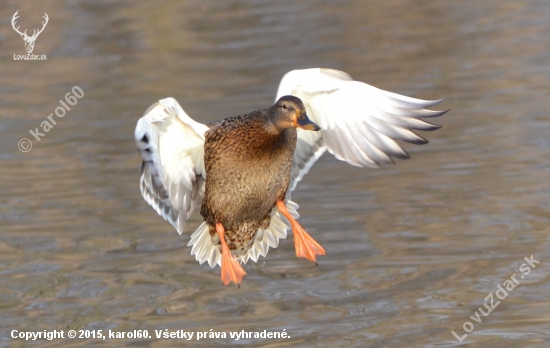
413, 249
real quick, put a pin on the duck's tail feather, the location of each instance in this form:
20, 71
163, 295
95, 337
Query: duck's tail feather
206, 249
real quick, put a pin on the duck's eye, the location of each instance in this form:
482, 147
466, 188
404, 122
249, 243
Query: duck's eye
302, 117
285, 107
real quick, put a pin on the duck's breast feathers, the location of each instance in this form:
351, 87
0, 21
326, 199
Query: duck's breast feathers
251, 134
248, 170
171, 145
360, 124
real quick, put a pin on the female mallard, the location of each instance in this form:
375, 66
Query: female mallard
253, 162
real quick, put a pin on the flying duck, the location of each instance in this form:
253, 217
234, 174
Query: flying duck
241, 170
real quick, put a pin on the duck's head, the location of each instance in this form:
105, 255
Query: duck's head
290, 112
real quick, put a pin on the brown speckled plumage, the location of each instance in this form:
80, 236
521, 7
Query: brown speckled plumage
248, 161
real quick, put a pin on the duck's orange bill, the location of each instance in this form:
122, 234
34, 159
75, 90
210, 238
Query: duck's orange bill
303, 121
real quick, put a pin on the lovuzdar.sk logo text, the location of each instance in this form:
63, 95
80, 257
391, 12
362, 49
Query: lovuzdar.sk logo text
29, 40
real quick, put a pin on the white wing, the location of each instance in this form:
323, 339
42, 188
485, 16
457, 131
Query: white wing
359, 123
171, 145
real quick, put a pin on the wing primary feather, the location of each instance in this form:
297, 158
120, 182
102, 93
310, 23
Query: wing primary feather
409, 102
396, 132
383, 142
404, 122
418, 113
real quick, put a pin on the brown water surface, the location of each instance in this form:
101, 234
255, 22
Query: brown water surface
413, 249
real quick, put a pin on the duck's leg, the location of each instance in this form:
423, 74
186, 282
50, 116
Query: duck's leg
305, 245
231, 270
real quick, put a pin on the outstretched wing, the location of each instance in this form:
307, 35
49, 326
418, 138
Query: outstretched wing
171, 145
359, 123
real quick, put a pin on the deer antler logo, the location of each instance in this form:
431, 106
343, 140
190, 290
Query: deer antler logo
29, 40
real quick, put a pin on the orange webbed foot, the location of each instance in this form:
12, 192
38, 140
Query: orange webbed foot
231, 270
305, 245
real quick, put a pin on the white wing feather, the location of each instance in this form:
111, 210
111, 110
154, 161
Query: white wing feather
359, 123
171, 145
